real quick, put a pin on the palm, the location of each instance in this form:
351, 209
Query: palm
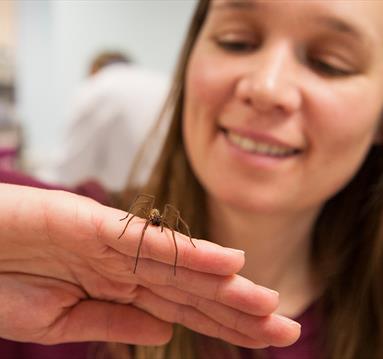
54, 269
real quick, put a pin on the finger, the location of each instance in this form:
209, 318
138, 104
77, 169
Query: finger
234, 291
93, 320
192, 319
206, 256
273, 329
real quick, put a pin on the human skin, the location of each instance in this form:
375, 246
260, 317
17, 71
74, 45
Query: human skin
254, 72
65, 276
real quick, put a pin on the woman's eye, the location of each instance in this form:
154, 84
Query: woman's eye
236, 45
328, 69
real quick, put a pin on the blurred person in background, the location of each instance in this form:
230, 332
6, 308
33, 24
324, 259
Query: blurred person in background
113, 112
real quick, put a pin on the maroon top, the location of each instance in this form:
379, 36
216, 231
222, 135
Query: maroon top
308, 344
307, 347
89, 188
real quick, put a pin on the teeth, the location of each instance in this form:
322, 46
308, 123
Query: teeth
251, 145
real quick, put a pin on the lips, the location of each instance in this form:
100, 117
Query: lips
259, 144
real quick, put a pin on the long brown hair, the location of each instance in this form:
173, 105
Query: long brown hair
347, 244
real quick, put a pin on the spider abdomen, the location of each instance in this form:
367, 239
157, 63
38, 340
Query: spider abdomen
155, 217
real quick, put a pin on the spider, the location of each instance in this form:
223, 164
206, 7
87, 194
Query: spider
143, 204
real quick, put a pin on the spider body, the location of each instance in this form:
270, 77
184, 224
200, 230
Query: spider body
155, 217
143, 205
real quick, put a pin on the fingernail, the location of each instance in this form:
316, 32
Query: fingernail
269, 292
274, 292
289, 321
240, 251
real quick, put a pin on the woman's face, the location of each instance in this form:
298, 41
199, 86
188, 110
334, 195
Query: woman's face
283, 100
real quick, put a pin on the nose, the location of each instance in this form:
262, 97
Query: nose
270, 83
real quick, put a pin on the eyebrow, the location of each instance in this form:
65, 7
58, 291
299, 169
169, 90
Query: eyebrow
333, 23
235, 4
340, 26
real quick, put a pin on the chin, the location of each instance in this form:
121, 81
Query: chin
244, 200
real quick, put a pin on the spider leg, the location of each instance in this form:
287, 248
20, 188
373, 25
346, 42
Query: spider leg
130, 211
140, 244
126, 225
164, 216
143, 200
170, 212
178, 217
140, 199
175, 246
187, 230
127, 215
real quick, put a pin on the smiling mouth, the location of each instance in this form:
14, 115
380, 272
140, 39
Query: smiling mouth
251, 145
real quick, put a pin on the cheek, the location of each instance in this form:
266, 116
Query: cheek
344, 129
203, 100
209, 81
209, 91
347, 120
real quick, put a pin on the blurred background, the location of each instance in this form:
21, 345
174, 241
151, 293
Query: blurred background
46, 47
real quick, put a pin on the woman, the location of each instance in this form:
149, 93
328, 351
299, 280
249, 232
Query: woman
276, 137
274, 148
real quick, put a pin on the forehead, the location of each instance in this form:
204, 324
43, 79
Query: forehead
366, 15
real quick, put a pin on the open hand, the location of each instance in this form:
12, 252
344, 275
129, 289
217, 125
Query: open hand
66, 277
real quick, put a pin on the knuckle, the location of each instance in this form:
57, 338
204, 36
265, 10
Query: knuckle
193, 301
